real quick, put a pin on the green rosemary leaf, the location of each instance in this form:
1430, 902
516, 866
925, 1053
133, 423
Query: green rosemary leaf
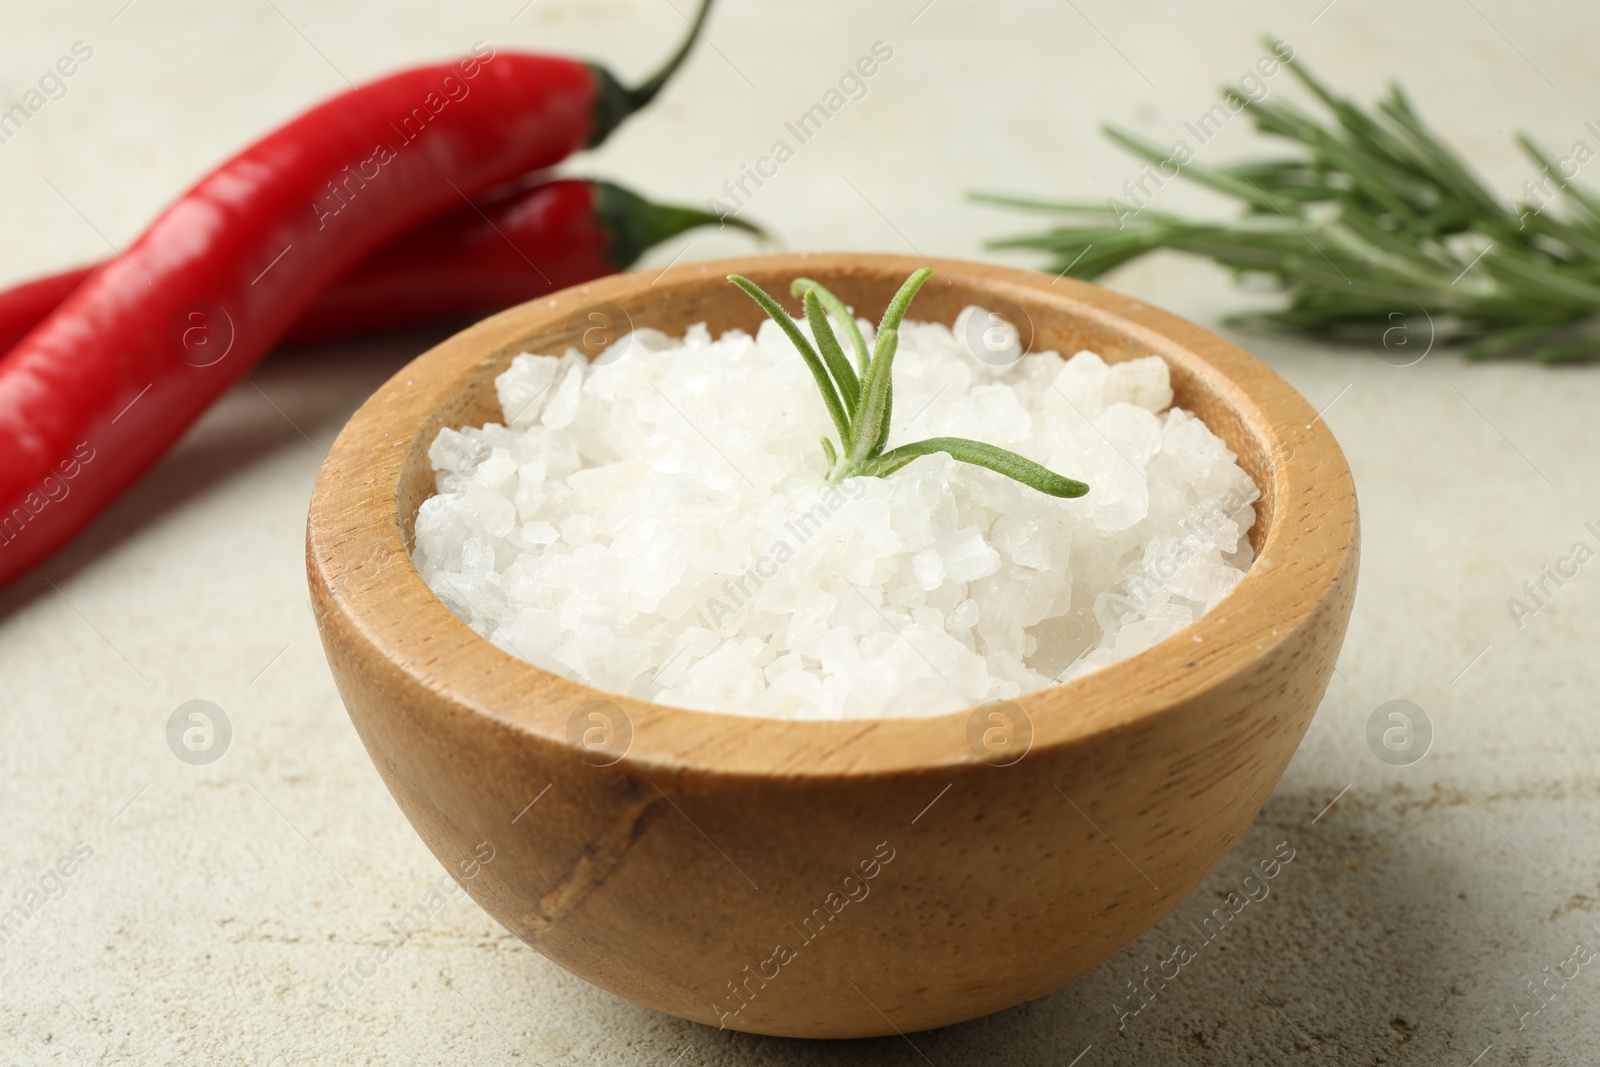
872, 417
843, 375
1028, 203
865, 431
1374, 214
1290, 179
1568, 352
1221, 182
1582, 197
1391, 250
888, 412
1370, 159
896, 311
1350, 116
1554, 286
1506, 342
837, 309
877, 392
978, 454
830, 397
1451, 171
1575, 246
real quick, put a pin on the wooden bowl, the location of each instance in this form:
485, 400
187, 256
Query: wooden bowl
832, 879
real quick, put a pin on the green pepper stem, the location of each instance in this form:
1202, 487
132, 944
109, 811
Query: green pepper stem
633, 224
646, 91
615, 101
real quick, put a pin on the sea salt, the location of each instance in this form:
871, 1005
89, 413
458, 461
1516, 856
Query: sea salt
658, 524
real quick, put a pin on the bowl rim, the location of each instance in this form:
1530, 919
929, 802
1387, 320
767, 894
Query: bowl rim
354, 519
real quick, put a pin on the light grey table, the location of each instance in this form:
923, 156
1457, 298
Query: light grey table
219, 900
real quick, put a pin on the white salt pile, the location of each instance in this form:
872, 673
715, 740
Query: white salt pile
658, 525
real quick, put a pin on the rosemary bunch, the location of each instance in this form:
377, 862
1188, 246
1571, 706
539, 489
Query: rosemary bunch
1373, 218
860, 398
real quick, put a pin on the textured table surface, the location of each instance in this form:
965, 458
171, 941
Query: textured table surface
216, 901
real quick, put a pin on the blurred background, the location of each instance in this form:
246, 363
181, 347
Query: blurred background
1436, 902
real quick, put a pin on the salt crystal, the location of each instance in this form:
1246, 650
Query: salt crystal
1079, 386
563, 407
928, 565
658, 524
523, 388
455, 451
967, 556
1144, 383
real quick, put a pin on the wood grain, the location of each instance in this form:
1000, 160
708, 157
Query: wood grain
707, 872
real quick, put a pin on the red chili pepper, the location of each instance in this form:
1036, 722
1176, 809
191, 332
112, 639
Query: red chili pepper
103, 387
482, 257
25, 306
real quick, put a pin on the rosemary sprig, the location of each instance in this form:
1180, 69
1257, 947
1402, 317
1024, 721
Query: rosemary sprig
860, 398
1375, 217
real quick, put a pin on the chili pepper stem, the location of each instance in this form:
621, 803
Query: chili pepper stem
615, 101
634, 224
646, 91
